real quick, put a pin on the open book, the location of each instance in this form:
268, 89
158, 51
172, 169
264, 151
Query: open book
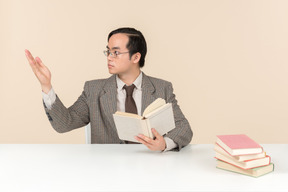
157, 115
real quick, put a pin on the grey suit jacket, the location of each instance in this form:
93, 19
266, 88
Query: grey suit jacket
98, 103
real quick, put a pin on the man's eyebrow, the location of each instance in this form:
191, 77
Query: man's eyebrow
113, 48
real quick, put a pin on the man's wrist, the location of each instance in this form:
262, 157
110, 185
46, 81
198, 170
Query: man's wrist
49, 98
46, 88
170, 144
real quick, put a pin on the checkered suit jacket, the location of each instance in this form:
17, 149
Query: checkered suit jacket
98, 102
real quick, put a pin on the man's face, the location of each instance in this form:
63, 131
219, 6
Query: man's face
121, 63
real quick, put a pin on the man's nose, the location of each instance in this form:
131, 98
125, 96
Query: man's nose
109, 57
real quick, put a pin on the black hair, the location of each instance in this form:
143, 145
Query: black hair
135, 44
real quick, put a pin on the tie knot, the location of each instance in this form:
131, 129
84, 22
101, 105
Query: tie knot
129, 89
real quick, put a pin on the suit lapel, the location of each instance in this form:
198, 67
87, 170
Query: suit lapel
108, 100
148, 91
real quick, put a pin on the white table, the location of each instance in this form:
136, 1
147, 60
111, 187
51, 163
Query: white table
81, 167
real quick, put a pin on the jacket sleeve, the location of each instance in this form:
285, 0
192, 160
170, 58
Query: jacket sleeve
65, 119
182, 133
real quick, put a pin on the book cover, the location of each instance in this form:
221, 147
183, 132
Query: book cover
239, 144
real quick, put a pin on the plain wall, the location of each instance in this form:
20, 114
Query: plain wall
227, 61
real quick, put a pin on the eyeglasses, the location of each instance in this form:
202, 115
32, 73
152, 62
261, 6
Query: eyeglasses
113, 54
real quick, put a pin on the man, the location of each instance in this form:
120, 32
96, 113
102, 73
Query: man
100, 99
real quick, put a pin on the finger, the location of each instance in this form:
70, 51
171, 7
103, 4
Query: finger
142, 141
31, 60
147, 139
29, 56
156, 134
148, 145
39, 61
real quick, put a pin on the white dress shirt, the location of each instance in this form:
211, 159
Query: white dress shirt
50, 98
137, 94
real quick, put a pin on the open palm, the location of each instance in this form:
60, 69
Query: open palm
42, 73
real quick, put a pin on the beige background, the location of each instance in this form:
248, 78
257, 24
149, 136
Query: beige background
227, 61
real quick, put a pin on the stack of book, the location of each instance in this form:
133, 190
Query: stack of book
241, 154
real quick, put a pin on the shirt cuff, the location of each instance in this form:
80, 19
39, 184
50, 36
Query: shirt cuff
170, 144
49, 99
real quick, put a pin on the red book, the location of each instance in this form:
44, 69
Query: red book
238, 144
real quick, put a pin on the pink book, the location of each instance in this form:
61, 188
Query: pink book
238, 144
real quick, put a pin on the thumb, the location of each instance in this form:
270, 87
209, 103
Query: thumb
156, 134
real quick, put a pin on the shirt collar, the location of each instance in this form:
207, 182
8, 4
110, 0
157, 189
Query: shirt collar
137, 82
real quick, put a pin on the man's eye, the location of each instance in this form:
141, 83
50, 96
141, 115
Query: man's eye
116, 53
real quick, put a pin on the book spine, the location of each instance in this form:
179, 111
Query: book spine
241, 167
144, 127
149, 128
259, 158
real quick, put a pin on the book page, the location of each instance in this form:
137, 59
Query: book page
162, 119
158, 110
128, 115
153, 106
129, 127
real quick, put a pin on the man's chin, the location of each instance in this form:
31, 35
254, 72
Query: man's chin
112, 72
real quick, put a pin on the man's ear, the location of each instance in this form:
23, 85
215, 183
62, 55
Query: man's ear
136, 57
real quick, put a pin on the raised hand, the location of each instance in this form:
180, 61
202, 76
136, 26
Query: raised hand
42, 73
